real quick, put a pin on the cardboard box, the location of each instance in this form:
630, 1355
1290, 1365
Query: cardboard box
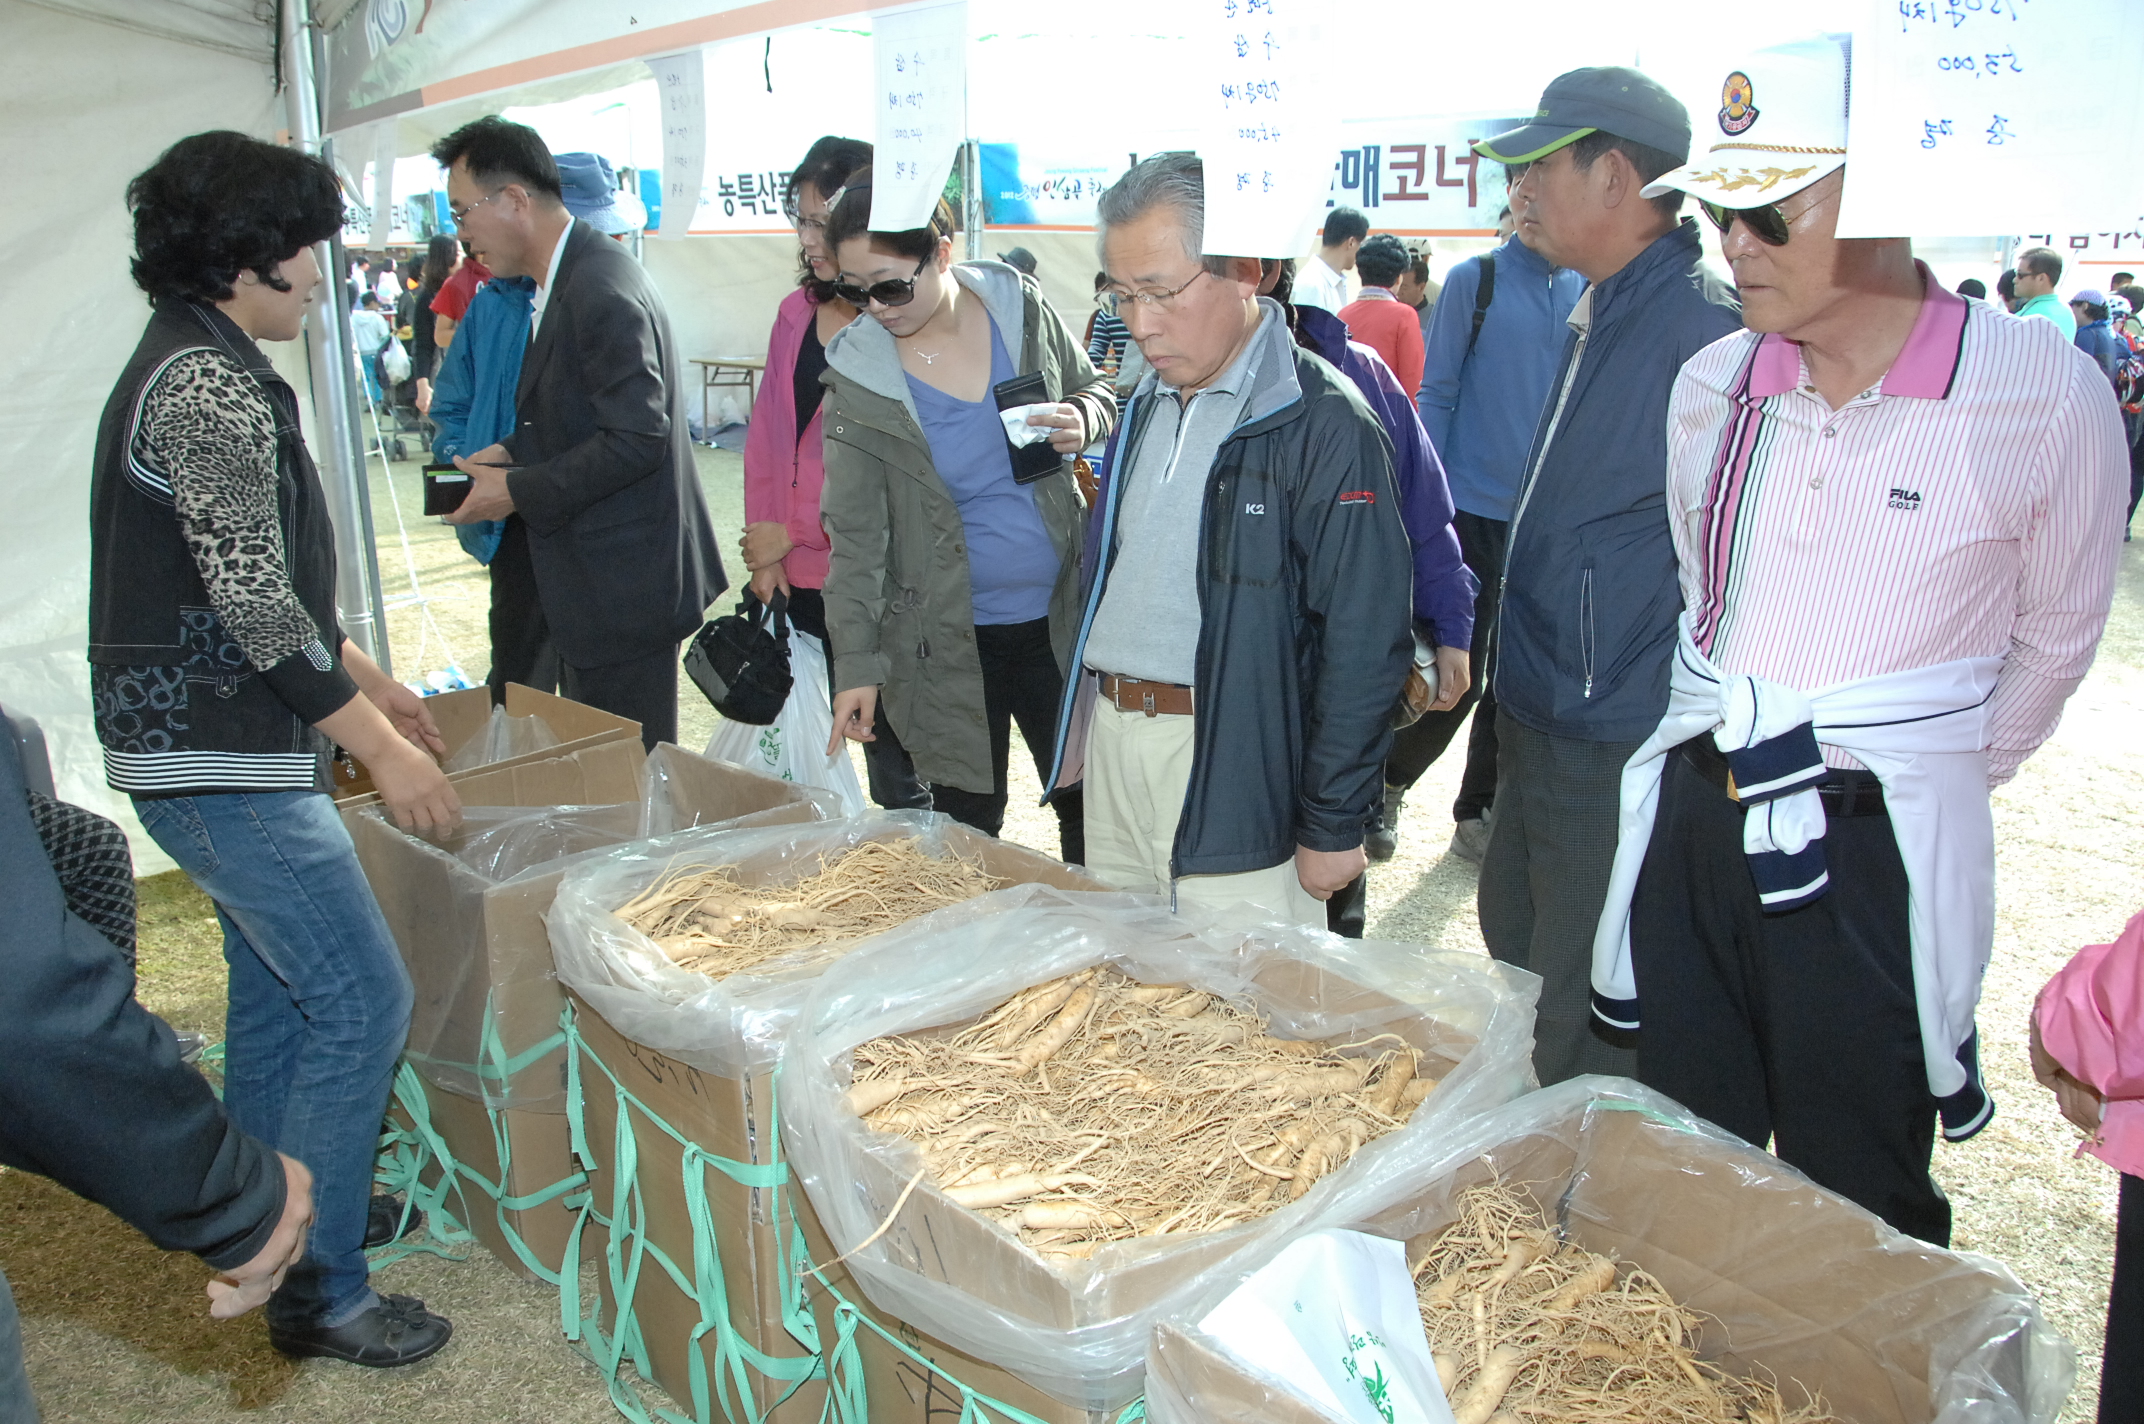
465, 714
1787, 1278
732, 1118
472, 934
540, 1156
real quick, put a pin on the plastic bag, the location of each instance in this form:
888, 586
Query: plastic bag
500, 842
394, 360
735, 1027
1078, 1330
1788, 1278
503, 738
793, 745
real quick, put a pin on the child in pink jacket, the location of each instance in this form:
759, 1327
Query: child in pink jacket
2088, 1045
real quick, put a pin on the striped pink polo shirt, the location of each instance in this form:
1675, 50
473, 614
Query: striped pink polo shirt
1968, 505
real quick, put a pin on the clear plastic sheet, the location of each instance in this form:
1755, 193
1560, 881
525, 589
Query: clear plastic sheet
466, 910
734, 1027
674, 798
504, 736
1078, 1331
1792, 1279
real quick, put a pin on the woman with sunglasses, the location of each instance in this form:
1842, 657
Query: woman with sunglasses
952, 597
784, 464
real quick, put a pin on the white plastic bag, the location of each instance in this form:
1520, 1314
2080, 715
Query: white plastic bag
1334, 1315
503, 738
793, 745
394, 360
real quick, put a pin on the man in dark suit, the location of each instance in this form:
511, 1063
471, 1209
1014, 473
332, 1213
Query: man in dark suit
597, 482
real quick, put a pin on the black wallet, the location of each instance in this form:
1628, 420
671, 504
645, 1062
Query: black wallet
1029, 462
444, 489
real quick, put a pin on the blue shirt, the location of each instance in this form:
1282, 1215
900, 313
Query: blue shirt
1012, 566
1480, 408
479, 376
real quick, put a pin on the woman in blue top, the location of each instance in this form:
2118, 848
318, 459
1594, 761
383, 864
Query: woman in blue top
952, 590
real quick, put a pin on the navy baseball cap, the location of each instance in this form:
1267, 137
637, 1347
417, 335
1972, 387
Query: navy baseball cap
1611, 100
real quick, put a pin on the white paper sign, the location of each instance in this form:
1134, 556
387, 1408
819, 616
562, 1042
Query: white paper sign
1991, 116
681, 84
922, 102
1265, 131
1335, 1316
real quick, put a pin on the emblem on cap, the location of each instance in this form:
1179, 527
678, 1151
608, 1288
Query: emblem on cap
1738, 103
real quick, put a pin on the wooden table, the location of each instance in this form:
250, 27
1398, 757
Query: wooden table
728, 371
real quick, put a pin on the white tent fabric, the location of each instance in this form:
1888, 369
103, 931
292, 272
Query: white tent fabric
86, 105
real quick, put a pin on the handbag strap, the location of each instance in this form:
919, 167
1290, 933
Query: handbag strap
780, 609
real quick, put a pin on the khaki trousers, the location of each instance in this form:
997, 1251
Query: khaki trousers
1138, 769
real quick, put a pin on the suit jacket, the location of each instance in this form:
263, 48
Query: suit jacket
619, 538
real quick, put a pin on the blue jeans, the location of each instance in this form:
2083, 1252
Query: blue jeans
17, 1404
319, 1007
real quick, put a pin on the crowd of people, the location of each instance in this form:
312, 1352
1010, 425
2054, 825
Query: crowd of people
1752, 591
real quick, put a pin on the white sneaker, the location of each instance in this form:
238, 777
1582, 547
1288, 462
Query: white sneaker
1471, 838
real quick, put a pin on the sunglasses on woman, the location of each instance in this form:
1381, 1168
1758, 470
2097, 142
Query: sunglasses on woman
1767, 224
893, 292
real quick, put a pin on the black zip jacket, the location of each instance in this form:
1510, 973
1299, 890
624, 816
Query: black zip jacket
1304, 573
92, 1092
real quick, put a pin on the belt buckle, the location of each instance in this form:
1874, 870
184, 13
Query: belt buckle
1147, 698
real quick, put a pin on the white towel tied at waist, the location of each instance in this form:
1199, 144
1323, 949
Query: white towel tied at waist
1924, 735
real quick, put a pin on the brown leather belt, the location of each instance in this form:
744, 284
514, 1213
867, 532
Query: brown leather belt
1156, 699
1845, 794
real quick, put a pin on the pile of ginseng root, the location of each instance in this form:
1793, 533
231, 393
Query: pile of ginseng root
709, 922
1526, 1327
1095, 1108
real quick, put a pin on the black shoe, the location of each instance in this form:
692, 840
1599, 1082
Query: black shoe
397, 1331
383, 1221
1382, 840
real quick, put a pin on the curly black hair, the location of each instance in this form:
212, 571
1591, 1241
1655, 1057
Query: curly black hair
1381, 260
221, 203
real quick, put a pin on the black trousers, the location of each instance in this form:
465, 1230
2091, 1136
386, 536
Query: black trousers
1482, 543
2121, 1369
891, 771
642, 688
1020, 684
1544, 881
1798, 1030
521, 648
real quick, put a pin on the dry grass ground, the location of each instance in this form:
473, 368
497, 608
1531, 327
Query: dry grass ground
116, 1334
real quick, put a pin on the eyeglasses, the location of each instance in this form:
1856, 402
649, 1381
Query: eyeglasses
458, 214
807, 226
1152, 301
1767, 224
893, 292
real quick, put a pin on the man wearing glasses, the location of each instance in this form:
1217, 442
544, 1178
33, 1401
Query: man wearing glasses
1587, 618
1896, 516
1244, 628
597, 485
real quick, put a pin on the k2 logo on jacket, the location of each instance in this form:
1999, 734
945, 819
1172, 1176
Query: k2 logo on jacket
1905, 499
1358, 497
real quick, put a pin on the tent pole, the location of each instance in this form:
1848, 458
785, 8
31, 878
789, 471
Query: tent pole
327, 337
971, 196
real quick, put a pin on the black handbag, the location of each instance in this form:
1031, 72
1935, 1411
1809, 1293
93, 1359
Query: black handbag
741, 664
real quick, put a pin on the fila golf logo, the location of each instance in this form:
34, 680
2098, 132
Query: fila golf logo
1359, 497
1905, 499
1738, 103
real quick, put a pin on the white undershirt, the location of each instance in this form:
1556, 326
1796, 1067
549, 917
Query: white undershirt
550, 280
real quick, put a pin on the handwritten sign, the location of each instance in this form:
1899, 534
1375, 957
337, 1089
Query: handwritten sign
681, 86
1265, 128
922, 103
1989, 116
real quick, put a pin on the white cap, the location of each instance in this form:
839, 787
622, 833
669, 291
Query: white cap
1781, 126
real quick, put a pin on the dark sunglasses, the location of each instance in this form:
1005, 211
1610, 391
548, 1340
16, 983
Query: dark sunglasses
893, 292
1767, 224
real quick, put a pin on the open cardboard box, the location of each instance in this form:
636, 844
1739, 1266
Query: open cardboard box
465, 714
729, 1114
1066, 1341
484, 1027
1791, 1279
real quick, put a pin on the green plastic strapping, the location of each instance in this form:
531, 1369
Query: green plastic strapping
840, 1365
497, 1066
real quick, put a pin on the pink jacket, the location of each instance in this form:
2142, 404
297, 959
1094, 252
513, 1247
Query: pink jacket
782, 474
2091, 1017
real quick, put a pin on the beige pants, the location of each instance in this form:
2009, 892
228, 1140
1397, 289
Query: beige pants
1138, 768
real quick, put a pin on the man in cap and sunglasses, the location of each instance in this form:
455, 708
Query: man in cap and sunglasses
1895, 514
1587, 621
